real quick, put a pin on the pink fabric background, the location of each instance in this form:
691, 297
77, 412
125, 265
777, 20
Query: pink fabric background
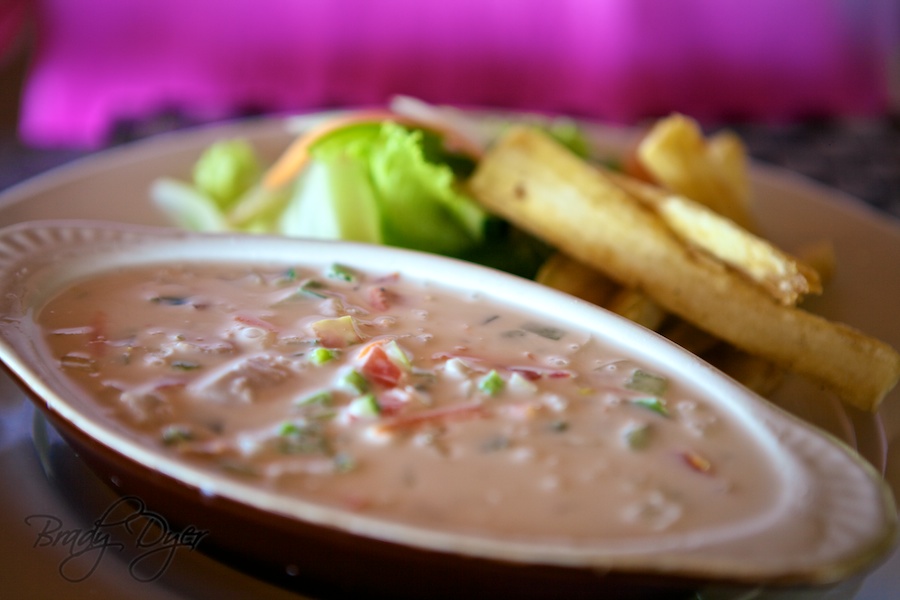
99, 61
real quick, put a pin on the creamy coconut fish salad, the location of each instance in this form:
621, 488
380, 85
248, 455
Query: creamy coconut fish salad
405, 400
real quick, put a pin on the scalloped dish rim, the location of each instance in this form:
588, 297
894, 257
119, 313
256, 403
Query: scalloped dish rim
38, 258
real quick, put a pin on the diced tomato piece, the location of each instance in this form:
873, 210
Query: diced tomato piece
559, 374
378, 297
378, 367
534, 373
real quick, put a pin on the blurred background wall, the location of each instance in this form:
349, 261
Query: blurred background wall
812, 84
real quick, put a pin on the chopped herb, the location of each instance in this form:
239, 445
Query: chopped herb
289, 275
647, 383
558, 426
185, 365
320, 356
288, 428
341, 272
311, 288
545, 331
652, 403
355, 382
302, 438
170, 300
636, 435
513, 333
175, 434
492, 383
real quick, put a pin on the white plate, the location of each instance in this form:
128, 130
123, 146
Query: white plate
113, 185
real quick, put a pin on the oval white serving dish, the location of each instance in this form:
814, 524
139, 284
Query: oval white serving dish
837, 511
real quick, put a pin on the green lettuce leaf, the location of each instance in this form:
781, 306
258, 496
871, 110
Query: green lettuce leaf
373, 182
421, 207
226, 171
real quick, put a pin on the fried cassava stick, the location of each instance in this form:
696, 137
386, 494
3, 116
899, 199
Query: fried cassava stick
535, 183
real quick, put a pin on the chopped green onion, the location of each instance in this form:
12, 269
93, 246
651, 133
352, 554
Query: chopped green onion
652, 403
289, 275
545, 331
175, 434
636, 435
492, 383
341, 272
354, 381
288, 428
170, 300
185, 365
647, 383
320, 356
301, 438
558, 426
513, 333
311, 288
